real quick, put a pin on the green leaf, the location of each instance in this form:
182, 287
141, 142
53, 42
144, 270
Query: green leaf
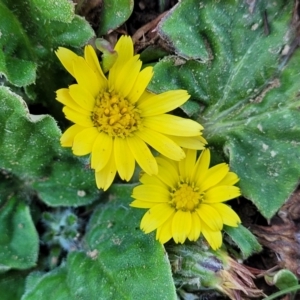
68, 184
113, 14
244, 239
120, 263
19, 241
243, 109
283, 279
30, 31
27, 142
131, 263
12, 285
51, 285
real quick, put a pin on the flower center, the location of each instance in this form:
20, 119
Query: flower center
186, 197
115, 115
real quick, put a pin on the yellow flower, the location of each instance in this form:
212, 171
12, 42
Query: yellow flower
185, 199
116, 118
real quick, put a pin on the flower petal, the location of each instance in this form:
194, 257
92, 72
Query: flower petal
167, 173
161, 143
142, 155
124, 48
93, 61
214, 238
101, 151
230, 179
201, 167
151, 193
82, 97
210, 217
67, 138
84, 141
221, 193
181, 226
164, 232
195, 228
152, 180
127, 76
125, 161
86, 77
213, 176
142, 204
186, 165
63, 96
140, 85
173, 125
156, 216
193, 142
162, 103
78, 117
105, 177
228, 215
67, 58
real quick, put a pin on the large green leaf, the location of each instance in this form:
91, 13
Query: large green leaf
19, 239
120, 261
12, 285
68, 184
30, 31
28, 143
242, 109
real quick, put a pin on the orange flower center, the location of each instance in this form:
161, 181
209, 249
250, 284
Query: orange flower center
186, 197
115, 115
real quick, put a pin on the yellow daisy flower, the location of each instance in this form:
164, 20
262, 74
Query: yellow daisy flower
185, 199
116, 118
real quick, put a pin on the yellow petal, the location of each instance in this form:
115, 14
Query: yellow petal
142, 155
101, 152
167, 173
230, 179
124, 48
221, 193
181, 226
161, 143
228, 215
214, 238
105, 177
63, 96
213, 176
210, 217
173, 125
195, 228
67, 138
67, 58
156, 216
142, 204
86, 77
82, 97
193, 142
152, 180
164, 232
186, 165
151, 193
93, 61
140, 85
162, 103
84, 141
125, 161
78, 117
201, 167
127, 76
